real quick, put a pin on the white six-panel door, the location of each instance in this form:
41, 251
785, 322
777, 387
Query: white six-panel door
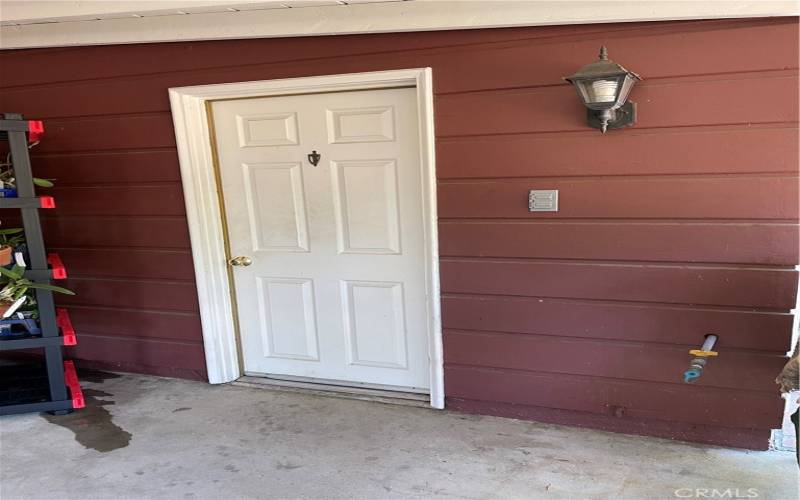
336, 288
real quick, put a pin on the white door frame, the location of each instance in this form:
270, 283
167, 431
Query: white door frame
204, 213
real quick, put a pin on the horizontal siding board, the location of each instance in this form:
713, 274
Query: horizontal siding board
764, 288
686, 326
753, 439
541, 109
709, 102
144, 324
774, 197
107, 133
686, 151
199, 374
777, 244
151, 200
129, 294
185, 356
457, 69
36, 66
672, 402
658, 55
108, 168
620, 360
149, 93
110, 231
137, 94
128, 263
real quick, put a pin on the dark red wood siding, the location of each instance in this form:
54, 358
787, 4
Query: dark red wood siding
685, 225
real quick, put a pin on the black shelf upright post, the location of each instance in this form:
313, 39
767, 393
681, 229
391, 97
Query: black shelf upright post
14, 128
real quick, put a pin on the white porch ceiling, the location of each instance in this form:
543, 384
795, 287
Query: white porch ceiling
28, 24
25, 12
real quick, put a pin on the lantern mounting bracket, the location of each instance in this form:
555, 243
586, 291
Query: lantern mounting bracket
622, 117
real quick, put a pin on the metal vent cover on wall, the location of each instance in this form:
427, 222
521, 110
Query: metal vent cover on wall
543, 200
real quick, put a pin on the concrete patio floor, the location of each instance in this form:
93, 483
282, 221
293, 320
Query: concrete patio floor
149, 437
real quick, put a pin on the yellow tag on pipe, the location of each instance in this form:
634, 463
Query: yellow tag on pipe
702, 354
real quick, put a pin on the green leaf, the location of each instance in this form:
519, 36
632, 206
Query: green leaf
11, 230
45, 183
14, 273
52, 288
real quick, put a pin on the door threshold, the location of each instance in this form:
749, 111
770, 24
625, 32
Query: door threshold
360, 393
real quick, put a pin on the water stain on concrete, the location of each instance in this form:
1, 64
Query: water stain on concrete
93, 426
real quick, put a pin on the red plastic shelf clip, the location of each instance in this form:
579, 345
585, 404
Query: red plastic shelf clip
56, 266
71, 381
35, 130
47, 202
65, 323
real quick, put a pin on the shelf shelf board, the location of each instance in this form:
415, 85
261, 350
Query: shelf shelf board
65, 404
29, 342
27, 202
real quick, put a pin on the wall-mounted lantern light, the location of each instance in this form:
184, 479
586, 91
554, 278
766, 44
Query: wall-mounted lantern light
604, 87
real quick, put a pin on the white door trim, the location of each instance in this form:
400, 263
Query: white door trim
204, 213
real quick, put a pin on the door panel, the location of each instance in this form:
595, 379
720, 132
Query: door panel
361, 125
365, 201
276, 206
375, 323
272, 129
336, 289
288, 318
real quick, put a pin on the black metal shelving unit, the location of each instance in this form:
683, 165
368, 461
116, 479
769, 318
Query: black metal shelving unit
50, 385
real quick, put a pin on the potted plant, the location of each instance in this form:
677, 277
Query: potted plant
10, 239
16, 290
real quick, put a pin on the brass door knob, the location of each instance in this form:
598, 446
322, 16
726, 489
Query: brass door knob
240, 261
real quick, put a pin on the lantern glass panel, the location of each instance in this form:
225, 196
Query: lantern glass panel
601, 93
627, 85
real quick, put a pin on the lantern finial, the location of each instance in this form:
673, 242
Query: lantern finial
603, 53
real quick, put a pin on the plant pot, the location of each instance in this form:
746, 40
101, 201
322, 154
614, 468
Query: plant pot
6, 255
